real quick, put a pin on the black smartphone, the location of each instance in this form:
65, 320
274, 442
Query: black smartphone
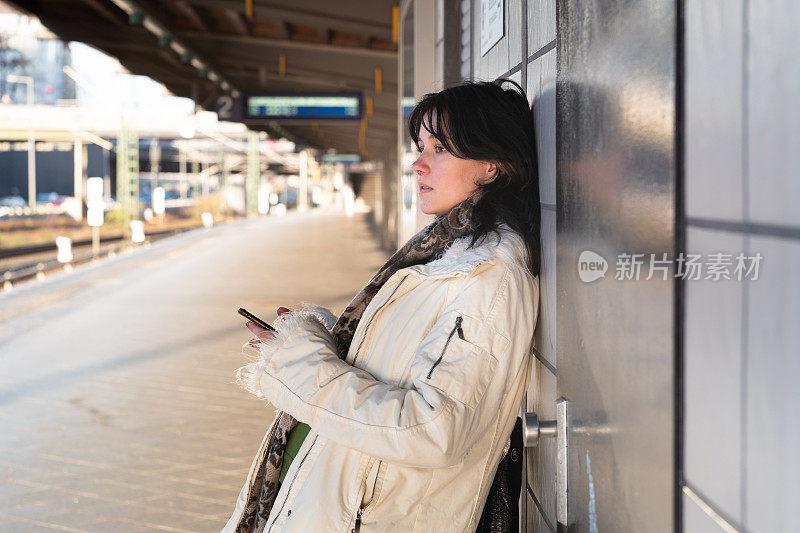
253, 318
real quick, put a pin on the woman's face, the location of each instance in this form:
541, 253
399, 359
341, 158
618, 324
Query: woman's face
443, 179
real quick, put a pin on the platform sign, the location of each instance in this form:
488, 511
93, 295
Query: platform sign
229, 108
341, 158
492, 24
303, 106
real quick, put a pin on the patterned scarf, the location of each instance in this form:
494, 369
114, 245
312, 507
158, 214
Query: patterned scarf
423, 247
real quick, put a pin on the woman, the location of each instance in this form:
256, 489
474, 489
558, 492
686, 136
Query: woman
412, 393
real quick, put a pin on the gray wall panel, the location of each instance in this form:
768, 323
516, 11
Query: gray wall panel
615, 193
513, 31
535, 521
542, 91
545, 333
541, 23
774, 111
712, 378
773, 394
495, 62
713, 103
541, 460
695, 520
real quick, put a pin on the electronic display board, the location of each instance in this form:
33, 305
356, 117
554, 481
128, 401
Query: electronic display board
303, 106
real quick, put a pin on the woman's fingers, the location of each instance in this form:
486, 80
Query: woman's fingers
260, 332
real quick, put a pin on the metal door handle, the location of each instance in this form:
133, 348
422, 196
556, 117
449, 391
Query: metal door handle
533, 429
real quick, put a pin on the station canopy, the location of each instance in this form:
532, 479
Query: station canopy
207, 49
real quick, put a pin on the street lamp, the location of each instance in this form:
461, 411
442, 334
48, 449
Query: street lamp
13, 78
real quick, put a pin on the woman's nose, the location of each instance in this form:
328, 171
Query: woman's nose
419, 166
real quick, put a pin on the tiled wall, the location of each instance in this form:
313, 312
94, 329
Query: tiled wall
742, 139
526, 54
742, 134
541, 89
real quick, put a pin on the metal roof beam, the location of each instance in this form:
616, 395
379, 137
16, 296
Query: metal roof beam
310, 77
304, 16
105, 12
236, 20
165, 34
191, 13
286, 44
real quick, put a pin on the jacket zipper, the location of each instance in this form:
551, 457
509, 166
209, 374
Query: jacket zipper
289, 491
371, 319
361, 508
460, 331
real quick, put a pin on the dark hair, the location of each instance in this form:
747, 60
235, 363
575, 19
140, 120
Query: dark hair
485, 122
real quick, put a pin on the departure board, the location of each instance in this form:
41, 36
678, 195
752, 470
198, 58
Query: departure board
303, 106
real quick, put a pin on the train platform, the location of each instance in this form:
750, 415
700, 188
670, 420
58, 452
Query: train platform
118, 407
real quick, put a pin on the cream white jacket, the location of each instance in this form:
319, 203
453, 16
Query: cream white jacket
406, 434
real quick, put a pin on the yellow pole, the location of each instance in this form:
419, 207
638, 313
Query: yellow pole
248, 8
362, 136
395, 22
378, 80
282, 64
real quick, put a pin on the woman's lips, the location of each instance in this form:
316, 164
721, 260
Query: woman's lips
424, 189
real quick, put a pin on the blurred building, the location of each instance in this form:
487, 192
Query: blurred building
29, 49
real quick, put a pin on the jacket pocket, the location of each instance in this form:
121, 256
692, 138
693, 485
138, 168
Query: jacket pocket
462, 370
456, 328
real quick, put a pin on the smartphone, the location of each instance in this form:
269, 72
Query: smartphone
253, 318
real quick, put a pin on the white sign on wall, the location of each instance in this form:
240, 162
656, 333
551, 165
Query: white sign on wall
492, 23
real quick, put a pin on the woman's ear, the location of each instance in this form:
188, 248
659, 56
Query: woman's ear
487, 174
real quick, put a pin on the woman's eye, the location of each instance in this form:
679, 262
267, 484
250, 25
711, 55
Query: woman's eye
439, 149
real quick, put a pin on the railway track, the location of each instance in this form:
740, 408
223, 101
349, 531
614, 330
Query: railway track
35, 262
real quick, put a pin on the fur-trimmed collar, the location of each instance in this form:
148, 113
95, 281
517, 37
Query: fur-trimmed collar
460, 259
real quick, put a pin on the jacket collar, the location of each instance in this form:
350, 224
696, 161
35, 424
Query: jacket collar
460, 260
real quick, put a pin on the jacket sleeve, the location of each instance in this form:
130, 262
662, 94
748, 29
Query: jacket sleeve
447, 407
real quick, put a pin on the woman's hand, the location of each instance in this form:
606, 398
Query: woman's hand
261, 333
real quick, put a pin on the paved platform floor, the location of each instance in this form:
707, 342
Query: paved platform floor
118, 411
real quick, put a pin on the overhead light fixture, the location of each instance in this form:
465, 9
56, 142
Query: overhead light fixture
153, 27
125, 5
137, 15
178, 48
